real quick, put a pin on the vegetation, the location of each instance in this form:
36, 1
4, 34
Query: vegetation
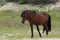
12, 28
2, 2
30, 1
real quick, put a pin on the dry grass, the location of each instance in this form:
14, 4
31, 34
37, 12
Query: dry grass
11, 27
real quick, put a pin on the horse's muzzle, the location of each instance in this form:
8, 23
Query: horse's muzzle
23, 22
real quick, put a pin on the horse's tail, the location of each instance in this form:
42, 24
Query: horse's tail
49, 23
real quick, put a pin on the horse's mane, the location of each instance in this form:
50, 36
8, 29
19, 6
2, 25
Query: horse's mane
34, 12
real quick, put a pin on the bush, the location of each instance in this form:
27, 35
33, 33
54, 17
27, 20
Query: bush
6, 11
36, 1
2, 2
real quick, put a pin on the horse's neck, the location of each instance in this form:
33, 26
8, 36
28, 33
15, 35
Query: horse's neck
31, 17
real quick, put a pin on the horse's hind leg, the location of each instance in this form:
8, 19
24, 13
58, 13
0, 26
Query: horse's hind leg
46, 30
38, 30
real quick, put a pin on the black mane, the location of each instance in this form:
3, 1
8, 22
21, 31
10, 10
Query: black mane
28, 11
34, 12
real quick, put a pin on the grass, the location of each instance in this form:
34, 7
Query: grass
12, 28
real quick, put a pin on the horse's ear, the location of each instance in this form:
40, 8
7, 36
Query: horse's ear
34, 12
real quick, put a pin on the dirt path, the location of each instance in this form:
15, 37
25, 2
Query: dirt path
41, 39
5, 38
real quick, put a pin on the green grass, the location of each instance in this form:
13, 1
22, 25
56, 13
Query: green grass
12, 28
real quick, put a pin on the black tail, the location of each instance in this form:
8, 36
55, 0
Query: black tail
49, 23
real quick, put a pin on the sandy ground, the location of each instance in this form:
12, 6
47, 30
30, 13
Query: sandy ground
5, 38
41, 39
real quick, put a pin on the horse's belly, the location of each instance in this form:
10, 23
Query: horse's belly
40, 21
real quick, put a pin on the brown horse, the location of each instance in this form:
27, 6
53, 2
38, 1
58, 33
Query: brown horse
34, 18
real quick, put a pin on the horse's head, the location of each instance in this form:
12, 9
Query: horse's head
26, 15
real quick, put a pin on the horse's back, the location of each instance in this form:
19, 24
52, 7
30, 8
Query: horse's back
43, 17
43, 14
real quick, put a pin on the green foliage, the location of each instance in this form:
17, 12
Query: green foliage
6, 11
2, 2
11, 27
29, 1
11, 0
23, 1
20, 1
36, 1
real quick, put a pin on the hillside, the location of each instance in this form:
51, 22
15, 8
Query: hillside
19, 7
16, 7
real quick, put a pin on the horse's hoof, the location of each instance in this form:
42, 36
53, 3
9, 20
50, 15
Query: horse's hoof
31, 36
40, 36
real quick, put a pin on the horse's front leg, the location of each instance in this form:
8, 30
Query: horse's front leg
38, 30
31, 31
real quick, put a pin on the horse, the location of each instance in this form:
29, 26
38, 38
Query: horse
34, 18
